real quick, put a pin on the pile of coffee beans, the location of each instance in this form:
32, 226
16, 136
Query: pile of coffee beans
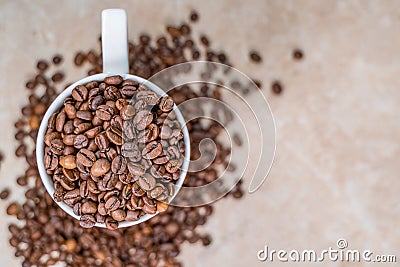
114, 151
46, 235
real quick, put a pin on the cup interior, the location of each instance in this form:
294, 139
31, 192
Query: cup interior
58, 103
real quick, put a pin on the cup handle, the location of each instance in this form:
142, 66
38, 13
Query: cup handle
114, 41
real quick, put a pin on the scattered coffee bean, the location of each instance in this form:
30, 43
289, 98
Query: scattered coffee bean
255, 57
277, 87
5, 193
297, 54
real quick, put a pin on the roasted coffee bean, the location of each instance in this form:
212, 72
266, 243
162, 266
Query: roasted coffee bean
109, 181
80, 93
111, 224
84, 115
136, 168
132, 215
112, 204
142, 119
80, 141
95, 102
157, 191
112, 93
118, 165
161, 160
70, 111
60, 121
71, 175
72, 197
89, 207
137, 190
131, 151
5, 193
56, 146
149, 97
277, 87
87, 221
68, 162
166, 104
113, 80
172, 166
114, 135
104, 112
152, 150
50, 161
100, 167
102, 142
82, 127
84, 189
93, 132
118, 215
78, 209
149, 209
128, 90
147, 182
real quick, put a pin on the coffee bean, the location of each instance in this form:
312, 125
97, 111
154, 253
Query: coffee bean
149, 97
152, 150
255, 57
42, 65
5, 193
112, 93
77, 209
50, 160
172, 166
89, 207
111, 224
58, 76
87, 221
137, 190
129, 90
113, 80
114, 135
149, 209
57, 59
86, 157
60, 121
72, 197
100, 167
93, 132
147, 182
157, 191
104, 112
68, 162
109, 181
132, 215
136, 168
131, 150
13, 209
80, 141
297, 54
142, 119
71, 175
84, 115
166, 104
277, 87
118, 165
102, 142
112, 204
80, 93
118, 215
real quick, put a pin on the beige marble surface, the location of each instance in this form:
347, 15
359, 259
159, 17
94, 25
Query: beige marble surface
336, 173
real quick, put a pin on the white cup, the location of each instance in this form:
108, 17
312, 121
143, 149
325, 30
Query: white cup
115, 62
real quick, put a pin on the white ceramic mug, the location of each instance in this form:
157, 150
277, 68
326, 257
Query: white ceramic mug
115, 62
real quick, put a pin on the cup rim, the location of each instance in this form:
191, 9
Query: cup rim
56, 105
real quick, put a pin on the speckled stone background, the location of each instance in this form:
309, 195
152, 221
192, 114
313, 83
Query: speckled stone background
337, 166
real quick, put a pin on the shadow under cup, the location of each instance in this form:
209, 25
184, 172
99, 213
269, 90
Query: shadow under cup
55, 107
